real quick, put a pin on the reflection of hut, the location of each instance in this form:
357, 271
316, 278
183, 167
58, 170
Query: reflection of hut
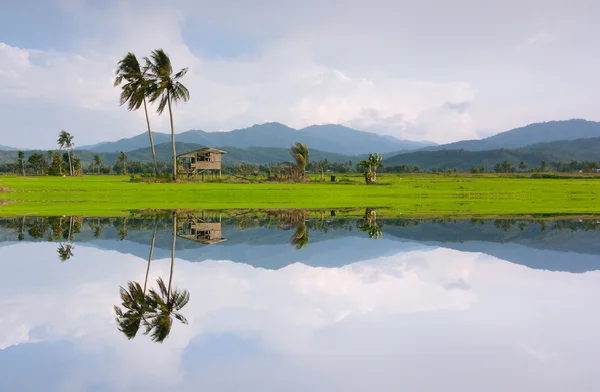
205, 230
201, 161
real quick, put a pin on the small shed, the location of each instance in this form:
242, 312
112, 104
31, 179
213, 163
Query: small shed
205, 230
204, 160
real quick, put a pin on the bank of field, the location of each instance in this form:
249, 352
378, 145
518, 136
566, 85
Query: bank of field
418, 195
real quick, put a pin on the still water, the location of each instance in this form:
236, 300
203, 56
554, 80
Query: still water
298, 301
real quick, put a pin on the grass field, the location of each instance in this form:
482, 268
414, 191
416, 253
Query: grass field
411, 196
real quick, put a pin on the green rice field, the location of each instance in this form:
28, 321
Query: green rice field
411, 196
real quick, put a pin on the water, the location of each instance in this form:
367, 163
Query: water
300, 301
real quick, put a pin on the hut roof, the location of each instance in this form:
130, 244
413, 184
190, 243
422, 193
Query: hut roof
205, 149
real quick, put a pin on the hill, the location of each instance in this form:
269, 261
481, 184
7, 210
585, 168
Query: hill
335, 138
563, 151
551, 131
6, 148
258, 155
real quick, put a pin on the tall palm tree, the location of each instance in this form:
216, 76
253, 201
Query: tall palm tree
166, 88
65, 140
65, 251
123, 160
299, 152
97, 162
134, 91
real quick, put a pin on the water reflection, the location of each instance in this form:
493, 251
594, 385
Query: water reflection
156, 310
474, 299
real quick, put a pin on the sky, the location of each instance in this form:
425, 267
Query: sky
416, 69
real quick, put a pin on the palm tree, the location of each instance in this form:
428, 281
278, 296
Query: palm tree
65, 140
167, 302
123, 160
299, 152
166, 88
138, 305
135, 91
137, 308
97, 162
65, 251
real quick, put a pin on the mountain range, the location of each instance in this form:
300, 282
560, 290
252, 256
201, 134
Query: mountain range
555, 141
551, 131
333, 138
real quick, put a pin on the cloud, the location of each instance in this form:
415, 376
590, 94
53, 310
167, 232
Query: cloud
541, 38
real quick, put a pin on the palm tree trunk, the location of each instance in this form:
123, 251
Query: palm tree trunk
151, 252
70, 163
151, 139
172, 252
172, 139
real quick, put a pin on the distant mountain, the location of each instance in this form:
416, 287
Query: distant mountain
530, 134
559, 151
234, 156
334, 138
6, 148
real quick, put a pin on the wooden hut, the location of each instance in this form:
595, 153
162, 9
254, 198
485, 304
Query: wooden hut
203, 229
202, 161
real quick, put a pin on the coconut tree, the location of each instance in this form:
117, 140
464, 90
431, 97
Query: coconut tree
299, 152
134, 91
65, 140
97, 162
122, 159
167, 301
166, 88
138, 307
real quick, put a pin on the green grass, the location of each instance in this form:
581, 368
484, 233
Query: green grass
414, 195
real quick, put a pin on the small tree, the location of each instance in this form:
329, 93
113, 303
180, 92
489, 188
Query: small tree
369, 167
299, 152
543, 166
35, 161
56, 165
522, 166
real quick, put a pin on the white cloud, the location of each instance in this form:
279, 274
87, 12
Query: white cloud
538, 39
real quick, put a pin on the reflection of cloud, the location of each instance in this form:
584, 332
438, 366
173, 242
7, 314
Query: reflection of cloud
299, 318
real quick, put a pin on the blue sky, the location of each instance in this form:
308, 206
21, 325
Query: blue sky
421, 70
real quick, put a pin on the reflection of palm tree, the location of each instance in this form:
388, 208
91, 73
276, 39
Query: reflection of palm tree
137, 307
168, 303
137, 304
65, 251
300, 238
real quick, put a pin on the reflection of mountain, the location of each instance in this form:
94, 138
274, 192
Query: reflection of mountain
561, 245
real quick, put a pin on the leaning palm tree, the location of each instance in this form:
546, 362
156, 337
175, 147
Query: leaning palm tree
299, 152
65, 140
134, 91
166, 88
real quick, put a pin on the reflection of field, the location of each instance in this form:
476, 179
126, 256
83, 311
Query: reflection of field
419, 195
